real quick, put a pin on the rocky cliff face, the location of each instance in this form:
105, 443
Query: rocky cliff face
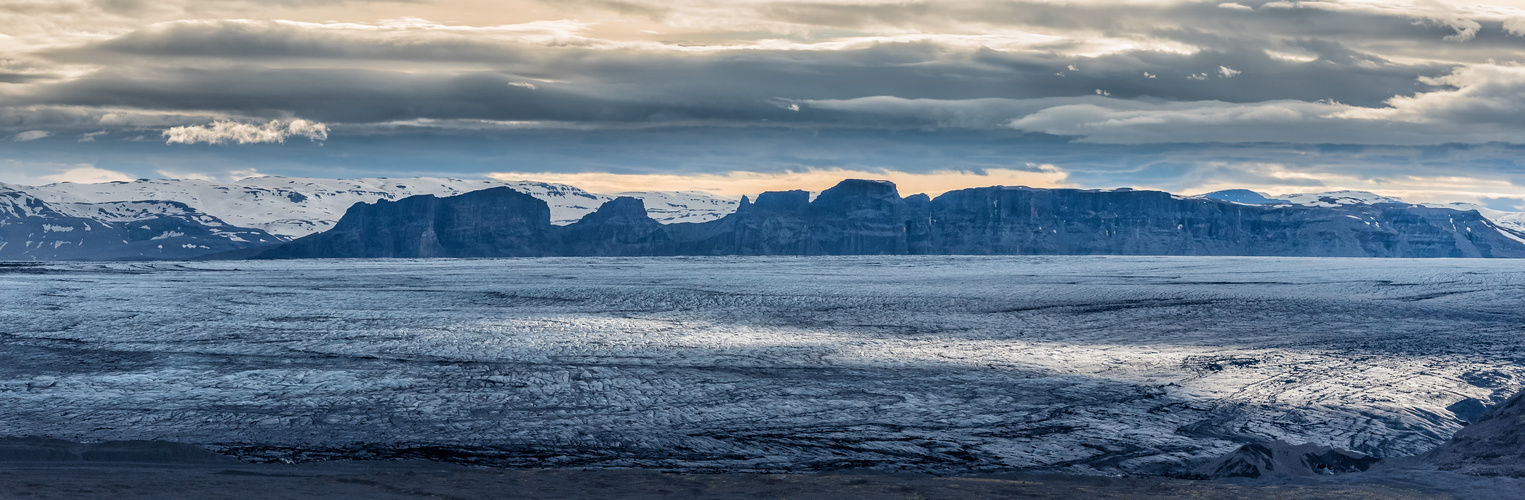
859, 217
31, 229
856, 217
618, 228
1000, 220
497, 222
1494, 445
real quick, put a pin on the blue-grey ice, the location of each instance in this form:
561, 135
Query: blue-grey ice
1111, 364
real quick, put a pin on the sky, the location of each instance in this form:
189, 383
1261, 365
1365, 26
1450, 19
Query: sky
1421, 99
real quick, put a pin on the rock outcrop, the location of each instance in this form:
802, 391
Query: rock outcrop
618, 228
1282, 460
859, 217
496, 222
1494, 445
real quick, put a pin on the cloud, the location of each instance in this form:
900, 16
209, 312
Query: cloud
1484, 103
1504, 204
238, 175
223, 132
739, 182
915, 86
31, 135
1477, 94
1515, 26
197, 176
87, 174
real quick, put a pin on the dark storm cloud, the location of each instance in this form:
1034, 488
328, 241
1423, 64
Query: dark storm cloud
1173, 95
597, 84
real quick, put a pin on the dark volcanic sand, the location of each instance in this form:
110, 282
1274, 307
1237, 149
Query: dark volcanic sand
395, 480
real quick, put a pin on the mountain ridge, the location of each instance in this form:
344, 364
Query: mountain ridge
864, 217
292, 207
31, 229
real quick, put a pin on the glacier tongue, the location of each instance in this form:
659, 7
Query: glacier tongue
294, 207
1131, 364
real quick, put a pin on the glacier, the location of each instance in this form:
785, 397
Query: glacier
1117, 365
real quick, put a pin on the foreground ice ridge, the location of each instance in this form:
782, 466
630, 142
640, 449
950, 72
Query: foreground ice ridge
1119, 364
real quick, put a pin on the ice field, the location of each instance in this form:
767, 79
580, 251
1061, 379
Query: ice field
1112, 364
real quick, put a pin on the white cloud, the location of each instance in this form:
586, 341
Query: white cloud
1227, 72
1484, 103
1482, 93
1197, 76
1234, 6
238, 175
186, 175
87, 174
31, 135
1515, 26
1452, 17
223, 132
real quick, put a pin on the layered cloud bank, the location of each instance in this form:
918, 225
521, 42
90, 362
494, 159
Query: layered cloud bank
566, 78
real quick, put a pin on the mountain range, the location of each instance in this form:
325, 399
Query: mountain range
864, 217
31, 229
191, 218
291, 207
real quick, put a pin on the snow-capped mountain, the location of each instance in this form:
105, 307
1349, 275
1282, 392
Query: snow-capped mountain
292, 207
1514, 221
1338, 198
1510, 220
33, 229
1325, 199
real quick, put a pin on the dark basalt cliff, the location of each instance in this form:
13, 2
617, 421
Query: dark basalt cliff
618, 228
859, 217
1075, 222
497, 222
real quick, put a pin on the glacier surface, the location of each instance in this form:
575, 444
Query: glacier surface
942, 364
